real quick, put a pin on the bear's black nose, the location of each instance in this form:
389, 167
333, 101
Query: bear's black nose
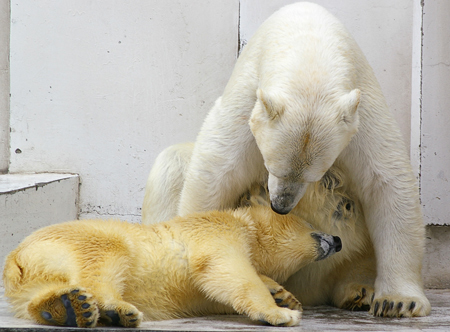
279, 211
337, 243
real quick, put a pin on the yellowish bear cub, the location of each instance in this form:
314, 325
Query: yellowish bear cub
89, 273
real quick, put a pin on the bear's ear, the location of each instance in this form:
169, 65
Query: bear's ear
349, 104
271, 108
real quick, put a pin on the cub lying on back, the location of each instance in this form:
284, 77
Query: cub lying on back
84, 273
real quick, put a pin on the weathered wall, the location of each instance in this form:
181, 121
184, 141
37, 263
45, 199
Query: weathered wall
100, 88
435, 115
4, 85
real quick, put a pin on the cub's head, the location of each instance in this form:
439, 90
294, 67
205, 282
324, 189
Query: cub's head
300, 139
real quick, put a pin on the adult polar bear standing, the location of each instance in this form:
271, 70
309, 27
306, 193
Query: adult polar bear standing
302, 96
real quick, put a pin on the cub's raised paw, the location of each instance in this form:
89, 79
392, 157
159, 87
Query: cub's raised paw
285, 299
359, 298
66, 307
121, 314
396, 306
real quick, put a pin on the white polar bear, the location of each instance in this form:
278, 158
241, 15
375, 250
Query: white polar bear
301, 98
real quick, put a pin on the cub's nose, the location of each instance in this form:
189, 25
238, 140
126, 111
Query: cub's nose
327, 245
337, 243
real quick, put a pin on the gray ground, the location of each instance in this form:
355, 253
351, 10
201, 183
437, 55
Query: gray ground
314, 319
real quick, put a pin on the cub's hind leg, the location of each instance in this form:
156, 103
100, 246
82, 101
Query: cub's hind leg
120, 313
64, 305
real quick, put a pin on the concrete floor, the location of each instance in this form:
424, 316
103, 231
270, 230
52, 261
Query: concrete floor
314, 319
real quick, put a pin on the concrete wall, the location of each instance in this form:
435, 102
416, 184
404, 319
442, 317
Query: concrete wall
435, 115
100, 88
4, 85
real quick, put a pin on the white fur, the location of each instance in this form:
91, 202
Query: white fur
302, 96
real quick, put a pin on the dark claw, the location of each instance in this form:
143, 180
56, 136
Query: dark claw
89, 323
132, 320
75, 291
82, 297
391, 305
375, 310
85, 305
284, 306
373, 296
412, 306
363, 291
130, 314
383, 308
399, 305
278, 300
357, 298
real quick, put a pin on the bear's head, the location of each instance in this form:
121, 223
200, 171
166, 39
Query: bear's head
300, 138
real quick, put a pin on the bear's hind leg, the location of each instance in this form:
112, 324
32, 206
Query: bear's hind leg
64, 306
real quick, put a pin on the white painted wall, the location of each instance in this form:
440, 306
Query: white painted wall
99, 88
435, 124
383, 30
4, 85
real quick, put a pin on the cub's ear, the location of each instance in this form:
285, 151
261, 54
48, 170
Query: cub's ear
349, 104
269, 105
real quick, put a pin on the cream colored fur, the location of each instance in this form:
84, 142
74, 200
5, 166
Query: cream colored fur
345, 280
302, 97
84, 273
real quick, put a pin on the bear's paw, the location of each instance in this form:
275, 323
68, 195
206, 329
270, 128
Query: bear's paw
285, 299
121, 314
398, 306
66, 307
359, 298
282, 317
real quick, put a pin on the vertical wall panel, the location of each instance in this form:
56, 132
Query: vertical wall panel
4, 85
435, 144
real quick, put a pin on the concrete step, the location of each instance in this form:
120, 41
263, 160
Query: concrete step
31, 201
436, 263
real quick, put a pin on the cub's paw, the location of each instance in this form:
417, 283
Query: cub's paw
282, 317
397, 306
285, 299
121, 314
66, 307
359, 298
255, 196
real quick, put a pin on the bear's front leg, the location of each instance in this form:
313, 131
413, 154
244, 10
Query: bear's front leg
224, 163
397, 231
233, 281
